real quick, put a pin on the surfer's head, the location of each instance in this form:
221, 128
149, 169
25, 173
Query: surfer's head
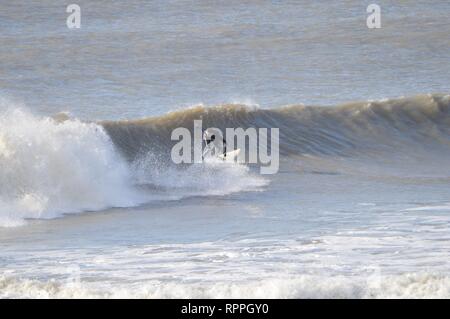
211, 134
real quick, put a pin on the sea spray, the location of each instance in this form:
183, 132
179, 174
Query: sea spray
50, 168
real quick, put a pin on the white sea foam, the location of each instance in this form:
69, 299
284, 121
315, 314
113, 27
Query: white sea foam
212, 177
423, 285
350, 264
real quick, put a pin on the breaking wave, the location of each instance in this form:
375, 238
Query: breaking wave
302, 286
51, 166
48, 169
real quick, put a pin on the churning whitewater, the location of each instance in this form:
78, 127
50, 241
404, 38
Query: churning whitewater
52, 166
347, 129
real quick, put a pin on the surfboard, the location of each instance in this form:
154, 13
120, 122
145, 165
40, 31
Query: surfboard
230, 156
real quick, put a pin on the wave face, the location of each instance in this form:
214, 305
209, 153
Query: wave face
345, 130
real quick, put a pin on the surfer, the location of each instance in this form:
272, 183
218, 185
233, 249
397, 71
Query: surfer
215, 143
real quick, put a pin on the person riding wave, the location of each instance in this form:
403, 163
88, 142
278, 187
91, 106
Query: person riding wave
215, 142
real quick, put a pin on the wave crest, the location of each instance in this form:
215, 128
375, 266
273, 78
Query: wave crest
353, 128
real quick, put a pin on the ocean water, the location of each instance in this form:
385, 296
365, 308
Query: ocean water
92, 206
